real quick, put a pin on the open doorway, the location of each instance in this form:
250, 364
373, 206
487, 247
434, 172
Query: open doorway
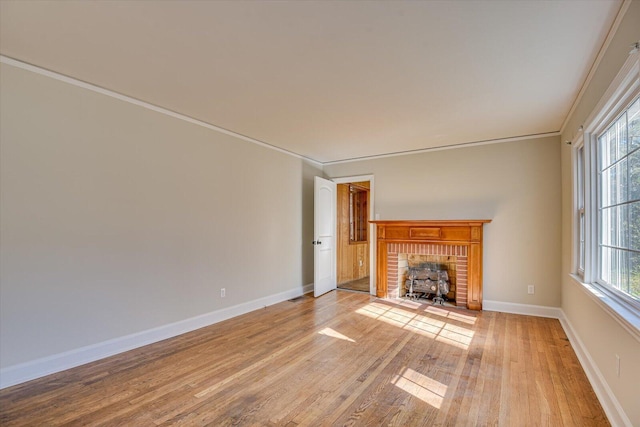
354, 233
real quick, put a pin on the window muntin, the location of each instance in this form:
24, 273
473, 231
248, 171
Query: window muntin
618, 151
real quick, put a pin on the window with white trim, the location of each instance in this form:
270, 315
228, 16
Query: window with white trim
618, 202
607, 194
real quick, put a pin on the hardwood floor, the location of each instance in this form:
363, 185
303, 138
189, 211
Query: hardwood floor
342, 359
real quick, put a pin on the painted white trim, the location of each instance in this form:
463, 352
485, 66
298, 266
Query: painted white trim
349, 179
372, 229
625, 315
306, 289
526, 309
613, 409
446, 147
621, 91
23, 372
79, 83
596, 63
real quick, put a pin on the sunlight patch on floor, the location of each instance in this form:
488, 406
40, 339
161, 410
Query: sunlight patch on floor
424, 388
437, 329
334, 334
460, 317
432, 309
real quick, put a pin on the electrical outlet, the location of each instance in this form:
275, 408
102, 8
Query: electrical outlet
618, 366
360, 263
531, 289
223, 292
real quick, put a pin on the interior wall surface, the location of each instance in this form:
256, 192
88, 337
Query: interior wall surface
601, 335
515, 184
116, 219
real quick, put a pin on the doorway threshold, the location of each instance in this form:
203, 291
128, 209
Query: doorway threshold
360, 285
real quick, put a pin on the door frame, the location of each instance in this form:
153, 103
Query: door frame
372, 228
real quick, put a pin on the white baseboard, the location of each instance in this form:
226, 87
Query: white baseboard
610, 404
526, 309
23, 372
17, 374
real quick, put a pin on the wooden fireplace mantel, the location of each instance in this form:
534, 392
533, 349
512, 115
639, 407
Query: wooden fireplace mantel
445, 232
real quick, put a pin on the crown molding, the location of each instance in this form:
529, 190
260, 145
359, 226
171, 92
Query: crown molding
125, 98
596, 63
447, 147
103, 91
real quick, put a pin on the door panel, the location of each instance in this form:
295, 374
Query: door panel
324, 253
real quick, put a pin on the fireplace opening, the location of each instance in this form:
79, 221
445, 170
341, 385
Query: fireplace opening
431, 277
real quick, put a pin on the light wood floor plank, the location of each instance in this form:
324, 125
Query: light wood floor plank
342, 359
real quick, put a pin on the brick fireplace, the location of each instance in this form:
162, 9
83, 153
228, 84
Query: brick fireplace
460, 240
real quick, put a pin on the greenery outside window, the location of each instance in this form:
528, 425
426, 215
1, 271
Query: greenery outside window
607, 199
618, 152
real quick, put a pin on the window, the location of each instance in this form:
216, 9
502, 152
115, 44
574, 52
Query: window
607, 197
618, 152
358, 213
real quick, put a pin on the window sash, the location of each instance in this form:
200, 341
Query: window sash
618, 229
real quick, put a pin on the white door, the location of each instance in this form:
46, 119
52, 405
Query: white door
324, 237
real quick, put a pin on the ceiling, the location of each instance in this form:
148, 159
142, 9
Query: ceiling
328, 80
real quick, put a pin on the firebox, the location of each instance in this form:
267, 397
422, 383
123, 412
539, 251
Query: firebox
428, 276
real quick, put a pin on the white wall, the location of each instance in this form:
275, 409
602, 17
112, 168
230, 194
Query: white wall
601, 335
116, 219
516, 185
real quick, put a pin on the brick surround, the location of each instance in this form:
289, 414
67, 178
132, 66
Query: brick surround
459, 251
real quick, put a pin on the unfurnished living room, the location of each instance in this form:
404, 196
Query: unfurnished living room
320, 213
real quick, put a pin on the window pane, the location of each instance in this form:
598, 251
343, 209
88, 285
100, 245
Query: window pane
621, 177
613, 145
634, 275
634, 175
613, 226
633, 115
606, 178
621, 127
623, 226
613, 185
603, 151
605, 227
634, 226
616, 261
605, 264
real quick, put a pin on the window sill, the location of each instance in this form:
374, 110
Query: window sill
626, 316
